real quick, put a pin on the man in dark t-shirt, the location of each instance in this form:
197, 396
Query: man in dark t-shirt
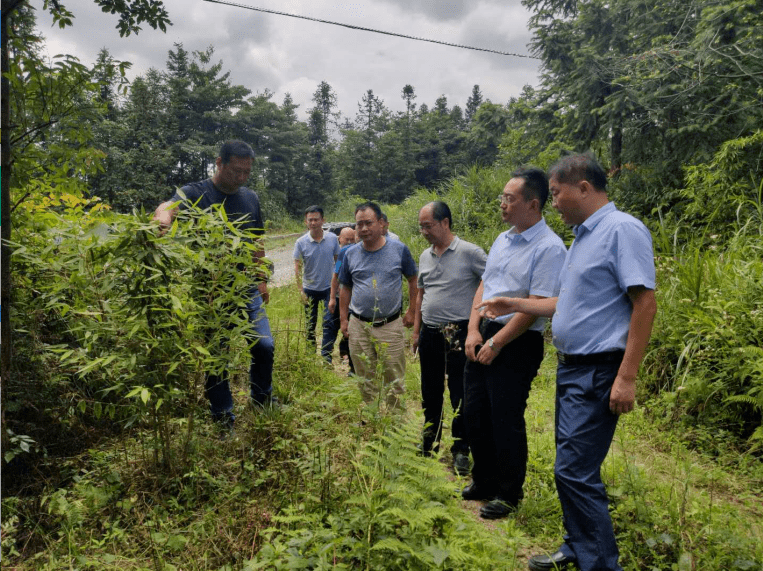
240, 203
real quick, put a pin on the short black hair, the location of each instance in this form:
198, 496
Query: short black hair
535, 184
235, 149
573, 168
314, 208
441, 211
372, 206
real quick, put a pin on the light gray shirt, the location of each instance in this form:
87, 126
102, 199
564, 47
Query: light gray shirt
450, 281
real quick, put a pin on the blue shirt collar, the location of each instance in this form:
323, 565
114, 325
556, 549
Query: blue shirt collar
528, 234
590, 223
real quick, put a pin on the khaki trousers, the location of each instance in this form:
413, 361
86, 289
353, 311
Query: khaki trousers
379, 347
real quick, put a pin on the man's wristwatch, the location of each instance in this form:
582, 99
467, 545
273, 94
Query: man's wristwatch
490, 344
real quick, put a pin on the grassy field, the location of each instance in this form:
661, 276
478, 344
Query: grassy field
329, 483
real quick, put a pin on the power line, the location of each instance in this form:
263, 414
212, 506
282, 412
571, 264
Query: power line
362, 29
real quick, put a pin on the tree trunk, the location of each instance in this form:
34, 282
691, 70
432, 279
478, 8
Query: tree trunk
8, 8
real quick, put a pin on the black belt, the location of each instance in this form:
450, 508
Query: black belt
377, 322
590, 359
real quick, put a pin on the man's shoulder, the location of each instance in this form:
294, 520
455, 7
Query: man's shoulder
468, 247
621, 222
552, 239
195, 190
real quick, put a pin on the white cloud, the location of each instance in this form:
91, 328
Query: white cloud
279, 53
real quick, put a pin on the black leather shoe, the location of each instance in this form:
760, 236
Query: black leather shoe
473, 492
496, 509
551, 562
461, 464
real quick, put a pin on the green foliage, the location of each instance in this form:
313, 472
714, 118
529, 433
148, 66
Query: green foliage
704, 358
145, 315
727, 192
398, 514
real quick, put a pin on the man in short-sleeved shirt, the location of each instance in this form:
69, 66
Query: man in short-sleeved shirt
601, 325
347, 238
505, 352
315, 253
240, 203
449, 274
370, 305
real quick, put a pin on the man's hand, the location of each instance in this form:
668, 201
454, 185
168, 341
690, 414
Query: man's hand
415, 342
622, 397
409, 317
473, 340
262, 287
303, 296
486, 354
344, 325
332, 305
497, 306
164, 215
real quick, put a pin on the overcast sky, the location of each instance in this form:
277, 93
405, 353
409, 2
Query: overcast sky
282, 54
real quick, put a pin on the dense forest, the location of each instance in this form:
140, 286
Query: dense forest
109, 460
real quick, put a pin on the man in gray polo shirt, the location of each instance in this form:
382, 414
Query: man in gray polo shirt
314, 256
372, 295
449, 274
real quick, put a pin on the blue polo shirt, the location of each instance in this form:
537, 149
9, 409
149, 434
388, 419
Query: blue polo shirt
524, 264
612, 251
317, 260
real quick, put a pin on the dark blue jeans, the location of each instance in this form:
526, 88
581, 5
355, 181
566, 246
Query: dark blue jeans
496, 399
262, 352
330, 325
584, 431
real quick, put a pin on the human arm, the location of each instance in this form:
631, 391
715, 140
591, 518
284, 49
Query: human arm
623, 394
515, 326
413, 292
473, 335
334, 291
345, 294
534, 305
417, 320
164, 214
264, 268
298, 279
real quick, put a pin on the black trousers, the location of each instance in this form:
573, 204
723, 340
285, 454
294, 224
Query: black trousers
441, 351
495, 401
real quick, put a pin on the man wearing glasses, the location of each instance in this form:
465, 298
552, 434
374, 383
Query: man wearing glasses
504, 353
371, 294
449, 274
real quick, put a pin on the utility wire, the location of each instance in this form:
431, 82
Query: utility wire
362, 29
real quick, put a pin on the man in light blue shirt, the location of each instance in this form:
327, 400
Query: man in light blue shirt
601, 325
504, 353
314, 256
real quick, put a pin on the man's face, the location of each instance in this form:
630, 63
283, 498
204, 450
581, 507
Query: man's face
566, 198
514, 207
346, 236
434, 231
368, 226
314, 222
234, 174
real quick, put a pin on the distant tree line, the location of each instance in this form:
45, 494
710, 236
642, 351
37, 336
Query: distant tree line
164, 129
